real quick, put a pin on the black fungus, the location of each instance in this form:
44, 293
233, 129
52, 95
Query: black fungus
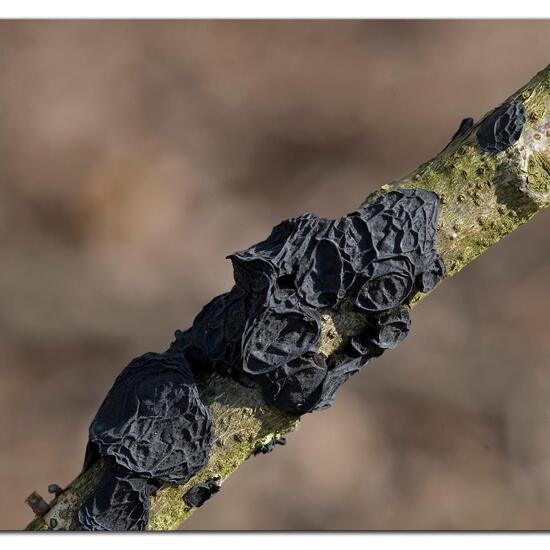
342, 368
296, 386
363, 346
218, 328
208, 334
434, 273
502, 127
269, 446
257, 269
401, 227
268, 327
153, 421
284, 331
388, 284
54, 489
152, 426
182, 342
320, 279
465, 125
90, 456
287, 242
119, 502
408, 223
201, 492
392, 328
211, 334
343, 364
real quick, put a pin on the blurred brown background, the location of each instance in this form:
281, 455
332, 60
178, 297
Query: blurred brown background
134, 156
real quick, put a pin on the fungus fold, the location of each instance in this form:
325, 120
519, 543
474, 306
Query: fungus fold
153, 428
502, 127
268, 329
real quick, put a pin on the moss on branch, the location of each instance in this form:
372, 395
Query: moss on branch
485, 196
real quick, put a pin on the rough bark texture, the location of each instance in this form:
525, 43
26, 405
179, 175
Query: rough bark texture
484, 195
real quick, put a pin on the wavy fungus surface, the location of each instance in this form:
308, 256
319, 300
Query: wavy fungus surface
153, 426
502, 127
268, 328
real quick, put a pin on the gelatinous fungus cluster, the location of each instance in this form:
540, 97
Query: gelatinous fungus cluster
119, 502
464, 126
502, 127
267, 329
269, 446
201, 492
152, 427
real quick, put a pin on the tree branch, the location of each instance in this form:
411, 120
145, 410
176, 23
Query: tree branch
484, 196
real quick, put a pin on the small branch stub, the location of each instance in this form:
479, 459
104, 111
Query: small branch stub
37, 504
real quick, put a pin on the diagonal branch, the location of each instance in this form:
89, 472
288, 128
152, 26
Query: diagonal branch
485, 196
